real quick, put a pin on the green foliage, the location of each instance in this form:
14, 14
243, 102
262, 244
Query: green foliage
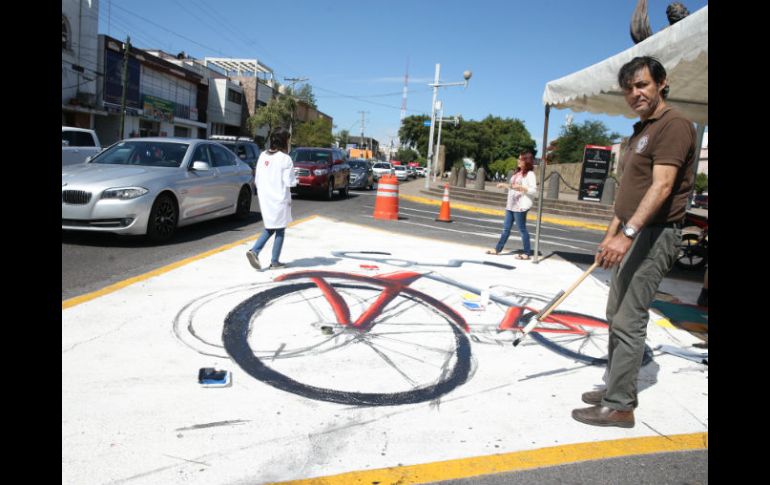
701, 183
342, 138
275, 114
406, 155
304, 93
503, 166
570, 145
316, 133
493, 138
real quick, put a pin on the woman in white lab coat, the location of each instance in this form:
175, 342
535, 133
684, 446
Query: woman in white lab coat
274, 177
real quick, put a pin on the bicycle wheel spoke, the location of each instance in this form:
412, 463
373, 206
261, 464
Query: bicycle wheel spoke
390, 363
412, 344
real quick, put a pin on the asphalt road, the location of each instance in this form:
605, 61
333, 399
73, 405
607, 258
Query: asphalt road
91, 261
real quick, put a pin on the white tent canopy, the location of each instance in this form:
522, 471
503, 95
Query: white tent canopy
682, 48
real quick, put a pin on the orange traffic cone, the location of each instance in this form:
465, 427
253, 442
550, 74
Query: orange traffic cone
386, 204
443, 215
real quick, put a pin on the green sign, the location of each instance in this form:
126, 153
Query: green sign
158, 109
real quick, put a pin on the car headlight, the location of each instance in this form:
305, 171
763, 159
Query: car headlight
320, 171
124, 193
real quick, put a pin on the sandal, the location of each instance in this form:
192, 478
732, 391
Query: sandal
493, 251
523, 257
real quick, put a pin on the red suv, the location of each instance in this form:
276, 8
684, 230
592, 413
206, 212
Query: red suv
321, 171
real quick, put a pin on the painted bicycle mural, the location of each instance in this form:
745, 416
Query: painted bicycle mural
393, 343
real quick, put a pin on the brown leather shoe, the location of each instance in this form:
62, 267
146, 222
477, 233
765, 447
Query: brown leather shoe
594, 397
603, 416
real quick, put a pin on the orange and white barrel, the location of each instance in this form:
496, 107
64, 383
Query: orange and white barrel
386, 204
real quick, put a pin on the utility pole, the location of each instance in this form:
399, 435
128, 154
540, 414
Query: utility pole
363, 123
126, 50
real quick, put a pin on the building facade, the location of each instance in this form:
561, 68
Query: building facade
79, 70
162, 99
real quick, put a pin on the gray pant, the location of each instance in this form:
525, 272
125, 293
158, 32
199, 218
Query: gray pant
632, 290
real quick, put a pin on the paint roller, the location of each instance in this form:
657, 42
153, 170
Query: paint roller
551, 306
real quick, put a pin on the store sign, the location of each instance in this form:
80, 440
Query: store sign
113, 79
596, 166
158, 109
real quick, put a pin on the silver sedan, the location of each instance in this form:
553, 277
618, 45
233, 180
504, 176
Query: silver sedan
152, 186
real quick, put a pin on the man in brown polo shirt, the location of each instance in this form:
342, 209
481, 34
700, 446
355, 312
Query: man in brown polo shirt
641, 241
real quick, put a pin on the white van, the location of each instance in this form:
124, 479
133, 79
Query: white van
77, 144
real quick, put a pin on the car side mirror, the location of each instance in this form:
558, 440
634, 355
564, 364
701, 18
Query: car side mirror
65, 143
199, 165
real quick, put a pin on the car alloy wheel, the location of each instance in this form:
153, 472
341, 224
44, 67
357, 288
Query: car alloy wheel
163, 218
243, 208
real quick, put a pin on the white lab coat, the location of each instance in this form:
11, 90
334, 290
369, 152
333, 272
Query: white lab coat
274, 177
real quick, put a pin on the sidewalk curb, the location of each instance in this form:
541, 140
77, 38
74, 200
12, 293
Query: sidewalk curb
515, 461
501, 212
77, 300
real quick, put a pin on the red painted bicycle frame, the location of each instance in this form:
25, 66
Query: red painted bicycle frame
394, 284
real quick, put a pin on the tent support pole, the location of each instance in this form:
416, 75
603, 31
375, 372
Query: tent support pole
542, 186
701, 128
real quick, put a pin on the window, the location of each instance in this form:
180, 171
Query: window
65, 33
234, 96
252, 151
78, 138
201, 154
222, 156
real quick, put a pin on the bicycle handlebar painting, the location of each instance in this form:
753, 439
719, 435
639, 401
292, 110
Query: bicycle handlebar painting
299, 331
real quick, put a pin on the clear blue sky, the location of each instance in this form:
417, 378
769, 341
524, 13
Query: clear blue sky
355, 53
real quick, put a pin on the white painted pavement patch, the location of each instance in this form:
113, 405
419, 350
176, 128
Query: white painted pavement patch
132, 409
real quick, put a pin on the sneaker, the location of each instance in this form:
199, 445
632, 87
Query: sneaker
277, 266
252, 257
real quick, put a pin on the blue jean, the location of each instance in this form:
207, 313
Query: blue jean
277, 244
521, 223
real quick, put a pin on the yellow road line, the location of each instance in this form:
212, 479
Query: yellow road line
165, 269
511, 462
501, 212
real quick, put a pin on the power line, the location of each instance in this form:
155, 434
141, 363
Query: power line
166, 29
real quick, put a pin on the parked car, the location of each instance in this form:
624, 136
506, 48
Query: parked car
243, 147
411, 171
151, 186
321, 171
701, 201
421, 171
77, 144
401, 172
382, 168
361, 174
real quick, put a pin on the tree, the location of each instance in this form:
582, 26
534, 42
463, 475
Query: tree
414, 133
701, 183
406, 155
316, 133
275, 114
570, 145
303, 93
342, 138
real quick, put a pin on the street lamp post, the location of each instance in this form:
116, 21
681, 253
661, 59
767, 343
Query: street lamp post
441, 120
436, 84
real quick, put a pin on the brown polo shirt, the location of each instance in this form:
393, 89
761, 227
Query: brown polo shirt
668, 138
